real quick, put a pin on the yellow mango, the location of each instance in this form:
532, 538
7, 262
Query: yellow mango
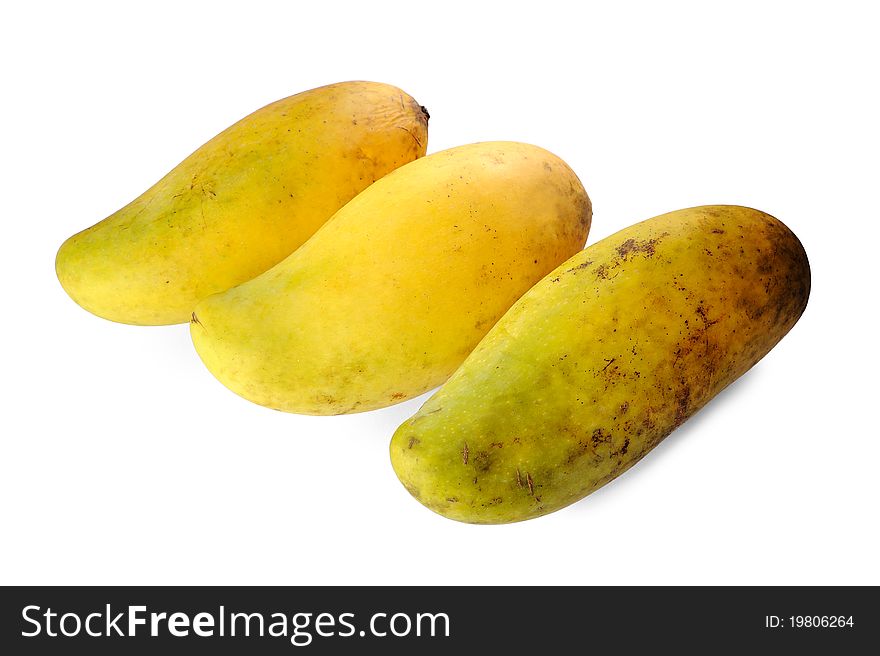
242, 202
389, 297
601, 360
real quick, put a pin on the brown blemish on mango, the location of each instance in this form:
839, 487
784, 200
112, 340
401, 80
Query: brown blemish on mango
647, 247
482, 462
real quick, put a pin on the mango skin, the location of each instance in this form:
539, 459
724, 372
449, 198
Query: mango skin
389, 297
241, 203
600, 361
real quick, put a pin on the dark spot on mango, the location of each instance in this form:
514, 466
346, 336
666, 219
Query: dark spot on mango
582, 265
646, 247
482, 462
682, 404
599, 437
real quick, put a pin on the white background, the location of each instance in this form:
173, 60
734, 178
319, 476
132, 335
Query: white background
125, 462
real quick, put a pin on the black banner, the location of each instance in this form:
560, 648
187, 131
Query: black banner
436, 620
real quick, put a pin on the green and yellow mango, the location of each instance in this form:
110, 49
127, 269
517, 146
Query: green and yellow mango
388, 298
601, 360
241, 203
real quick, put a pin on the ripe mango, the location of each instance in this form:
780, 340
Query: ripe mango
241, 203
389, 297
601, 360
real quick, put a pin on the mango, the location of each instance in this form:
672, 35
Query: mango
388, 298
241, 203
600, 361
